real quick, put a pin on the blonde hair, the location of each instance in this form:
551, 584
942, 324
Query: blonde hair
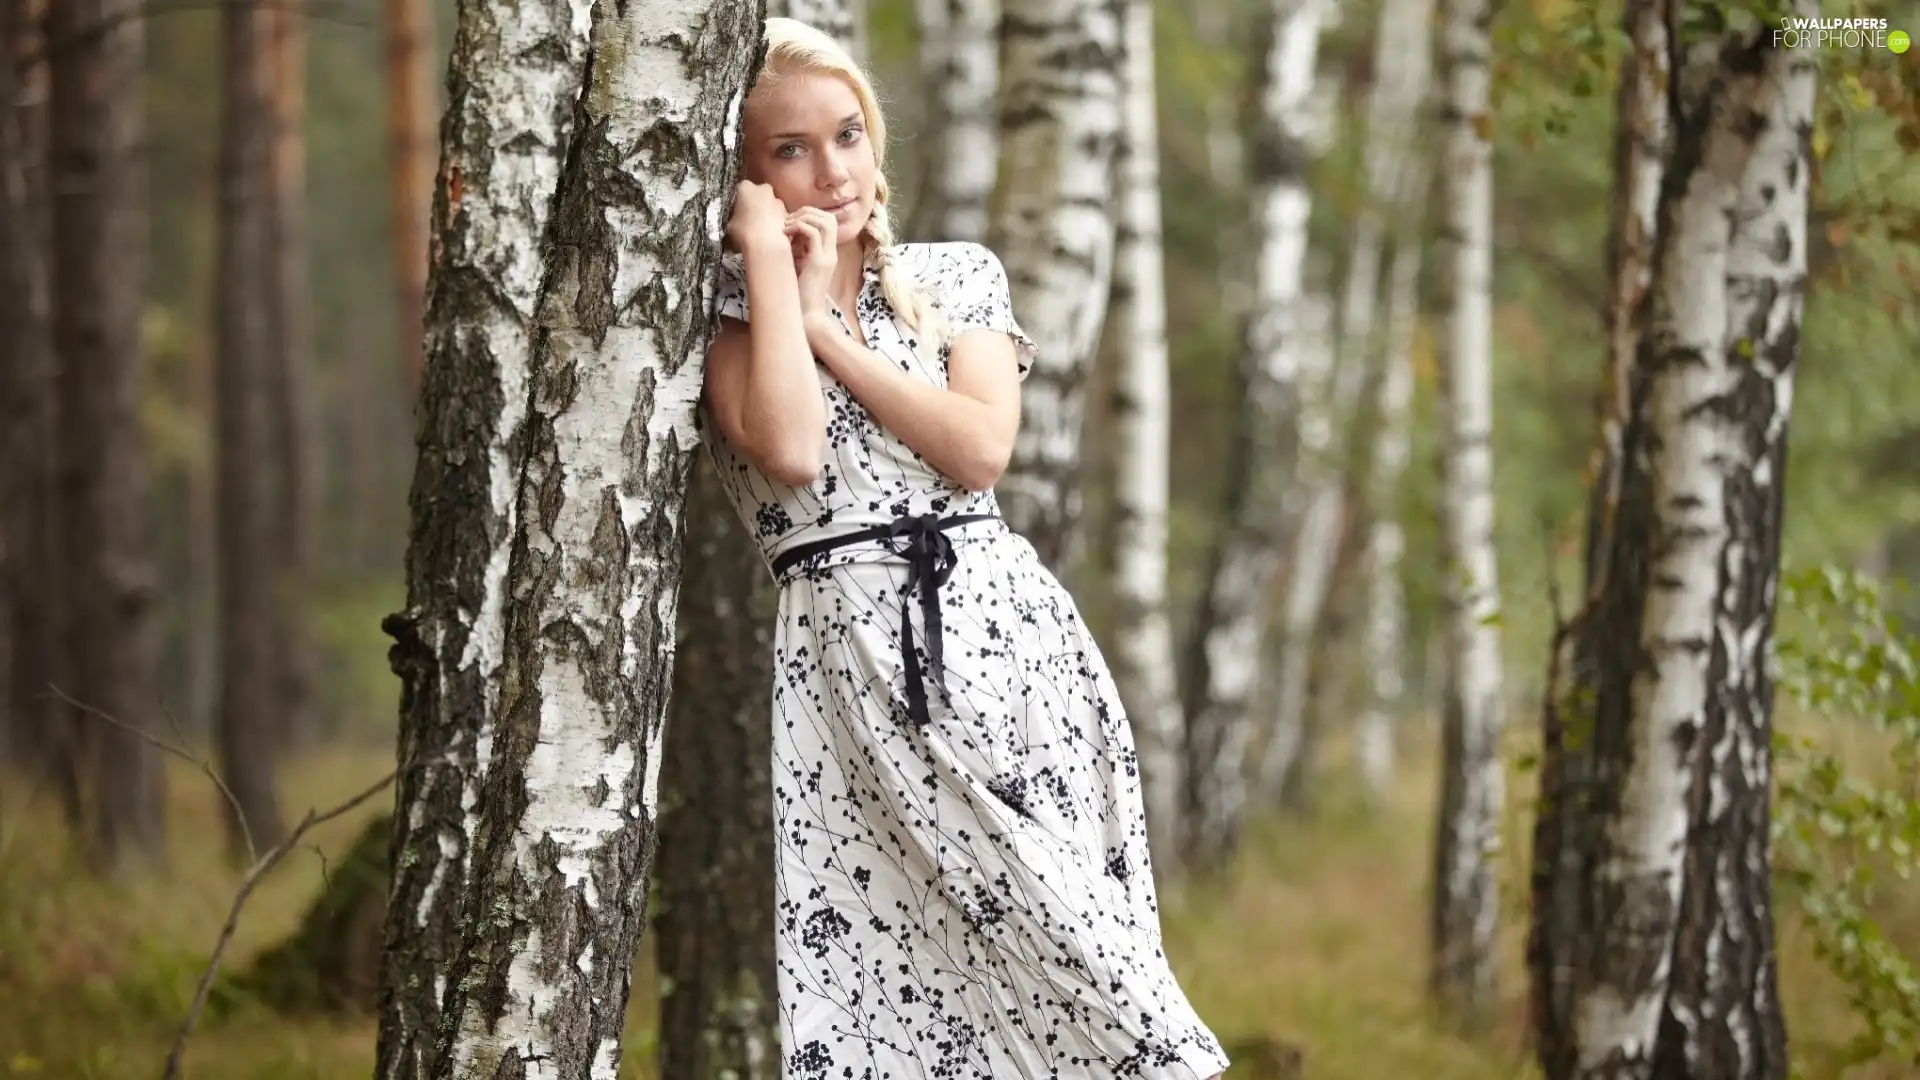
794, 48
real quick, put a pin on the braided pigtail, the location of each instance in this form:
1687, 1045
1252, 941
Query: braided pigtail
914, 306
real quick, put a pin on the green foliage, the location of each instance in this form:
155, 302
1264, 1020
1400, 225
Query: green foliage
1838, 832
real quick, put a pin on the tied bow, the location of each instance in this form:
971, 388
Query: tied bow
930, 562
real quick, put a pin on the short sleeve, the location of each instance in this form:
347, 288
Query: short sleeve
986, 303
731, 297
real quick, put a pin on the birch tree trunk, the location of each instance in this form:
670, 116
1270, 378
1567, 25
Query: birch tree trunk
251, 702
1224, 651
567, 323
1566, 831
1467, 841
1143, 648
1053, 229
99, 269
719, 1008
411, 105
960, 52
1384, 638
1678, 975
1329, 431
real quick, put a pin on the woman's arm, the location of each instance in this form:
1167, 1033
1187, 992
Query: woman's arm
761, 384
966, 431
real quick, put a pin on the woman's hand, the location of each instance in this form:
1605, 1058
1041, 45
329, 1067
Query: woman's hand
756, 218
816, 253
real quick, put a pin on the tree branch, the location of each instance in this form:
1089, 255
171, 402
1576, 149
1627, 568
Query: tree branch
262, 865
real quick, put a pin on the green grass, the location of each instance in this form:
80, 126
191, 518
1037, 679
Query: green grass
1317, 938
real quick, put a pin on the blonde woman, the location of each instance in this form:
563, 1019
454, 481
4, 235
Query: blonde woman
962, 884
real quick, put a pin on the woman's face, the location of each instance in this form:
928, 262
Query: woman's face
807, 139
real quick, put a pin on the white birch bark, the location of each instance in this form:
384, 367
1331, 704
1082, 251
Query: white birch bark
1401, 62
1385, 636
1567, 835
568, 321
1683, 970
1143, 645
1466, 896
845, 23
1053, 228
1225, 647
960, 51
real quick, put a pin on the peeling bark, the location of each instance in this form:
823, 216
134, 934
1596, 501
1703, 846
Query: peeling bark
960, 52
578, 221
1224, 650
1143, 648
1053, 228
718, 995
1466, 913
1676, 973
97, 180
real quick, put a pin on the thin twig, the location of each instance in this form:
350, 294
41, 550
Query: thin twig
254, 876
203, 764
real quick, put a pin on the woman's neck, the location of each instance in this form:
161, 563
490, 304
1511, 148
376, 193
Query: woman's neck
849, 273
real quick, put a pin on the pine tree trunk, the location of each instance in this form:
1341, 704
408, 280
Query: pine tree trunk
250, 714
960, 51
411, 109
1566, 833
1675, 973
29, 560
1223, 653
1143, 648
569, 319
1466, 913
97, 177
718, 1006
290, 386
1053, 229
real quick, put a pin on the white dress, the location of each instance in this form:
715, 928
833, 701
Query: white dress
968, 896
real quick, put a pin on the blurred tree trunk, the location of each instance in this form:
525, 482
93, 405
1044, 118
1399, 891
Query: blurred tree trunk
290, 375
1142, 399
97, 180
251, 713
28, 559
1566, 834
1223, 652
1217, 25
544, 556
1384, 636
412, 106
1466, 900
718, 1006
1335, 453
1674, 968
960, 52
1309, 542
1053, 229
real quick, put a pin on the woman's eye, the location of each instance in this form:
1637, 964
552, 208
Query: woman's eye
850, 134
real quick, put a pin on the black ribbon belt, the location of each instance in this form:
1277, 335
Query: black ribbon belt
922, 541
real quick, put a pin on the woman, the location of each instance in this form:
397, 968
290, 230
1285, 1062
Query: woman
963, 887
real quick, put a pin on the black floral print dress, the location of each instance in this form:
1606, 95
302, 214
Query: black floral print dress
963, 886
